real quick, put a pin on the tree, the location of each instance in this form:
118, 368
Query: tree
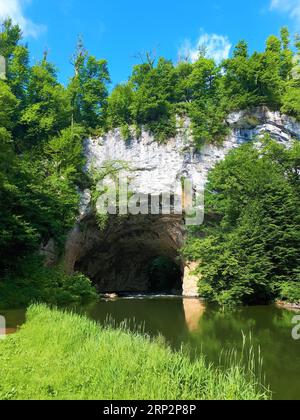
88, 89
251, 241
119, 106
297, 43
241, 50
17, 58
154, 98
285, 38
18, 73
291, 100
10, 35
8, 106
48, 109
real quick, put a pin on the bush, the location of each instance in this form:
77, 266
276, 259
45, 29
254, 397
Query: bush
35, 283
126, 133
290, 292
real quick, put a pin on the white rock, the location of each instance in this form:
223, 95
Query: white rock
157, 167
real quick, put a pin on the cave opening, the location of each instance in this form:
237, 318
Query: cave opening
165, 276
135, 254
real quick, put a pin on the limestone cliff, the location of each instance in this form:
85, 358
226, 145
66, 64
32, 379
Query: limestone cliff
116, 257
157, 167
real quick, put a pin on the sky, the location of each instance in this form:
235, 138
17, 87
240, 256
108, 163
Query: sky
119, 30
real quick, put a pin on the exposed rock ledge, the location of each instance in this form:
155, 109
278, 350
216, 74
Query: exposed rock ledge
289, 306
114, 259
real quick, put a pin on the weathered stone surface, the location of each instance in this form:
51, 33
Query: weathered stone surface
49, 252
190, 280
157, 168
117, 258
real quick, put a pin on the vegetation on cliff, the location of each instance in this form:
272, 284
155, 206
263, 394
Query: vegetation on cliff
159, 91
248, 248
69, 357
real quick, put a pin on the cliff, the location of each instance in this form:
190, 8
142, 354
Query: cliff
157, 167
117, 257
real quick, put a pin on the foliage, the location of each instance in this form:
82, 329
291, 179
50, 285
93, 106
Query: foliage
33, 282
47, 109
39, 199
158, 92
42, 127
74, 365
88, 89
119, 103
250, 242
289, 292
291, 99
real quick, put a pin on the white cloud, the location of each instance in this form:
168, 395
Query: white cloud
15, 10
292, 7
216, 46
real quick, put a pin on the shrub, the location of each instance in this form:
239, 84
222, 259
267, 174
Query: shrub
35, 283
290, 292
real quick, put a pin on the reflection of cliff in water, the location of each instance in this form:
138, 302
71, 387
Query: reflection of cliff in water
194, 309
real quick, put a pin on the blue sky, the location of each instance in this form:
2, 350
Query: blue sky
120, 29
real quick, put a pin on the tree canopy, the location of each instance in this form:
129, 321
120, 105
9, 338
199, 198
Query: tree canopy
159, 91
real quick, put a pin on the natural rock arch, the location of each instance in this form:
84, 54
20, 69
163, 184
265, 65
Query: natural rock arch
116, 258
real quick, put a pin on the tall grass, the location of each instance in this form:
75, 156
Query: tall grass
63, 356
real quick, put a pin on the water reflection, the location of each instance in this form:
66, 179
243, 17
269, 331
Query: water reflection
194, 309
208, 329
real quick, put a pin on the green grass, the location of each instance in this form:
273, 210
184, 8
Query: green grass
63, 356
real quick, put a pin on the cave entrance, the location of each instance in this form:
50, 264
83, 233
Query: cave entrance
165, 276
135, 254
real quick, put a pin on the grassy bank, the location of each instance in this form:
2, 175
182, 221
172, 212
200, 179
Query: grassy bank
63, 356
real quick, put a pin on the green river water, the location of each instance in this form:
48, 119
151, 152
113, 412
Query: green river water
208, 329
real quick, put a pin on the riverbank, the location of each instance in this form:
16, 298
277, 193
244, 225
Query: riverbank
288, 305
62, 356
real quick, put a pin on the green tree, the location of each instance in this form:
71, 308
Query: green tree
119, 106
154, 98
10, 35
18, 73
241, 50
8, 106
251, 237
88, 89
48, 108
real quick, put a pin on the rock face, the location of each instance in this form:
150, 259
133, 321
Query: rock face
49, 253
156, 168
116, 258
190, 280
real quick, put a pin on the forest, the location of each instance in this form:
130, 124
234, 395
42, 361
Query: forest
42, 128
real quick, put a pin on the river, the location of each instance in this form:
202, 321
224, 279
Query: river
210, 330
